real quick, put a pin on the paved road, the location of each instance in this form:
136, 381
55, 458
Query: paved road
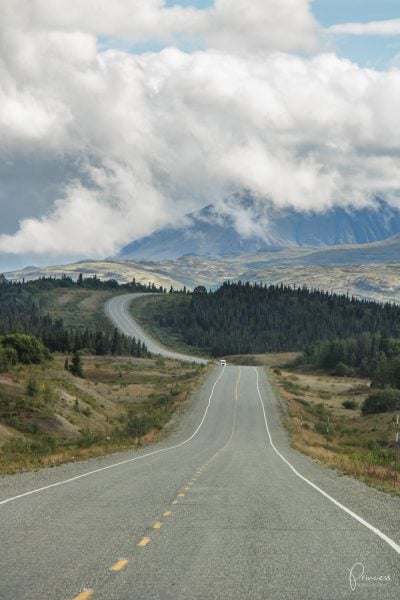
117, 309
221, 509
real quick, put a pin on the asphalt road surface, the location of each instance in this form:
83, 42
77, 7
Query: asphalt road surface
222, 508
117, 310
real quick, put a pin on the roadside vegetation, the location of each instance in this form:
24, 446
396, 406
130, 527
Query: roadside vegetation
71, 385
336, 420
49, 416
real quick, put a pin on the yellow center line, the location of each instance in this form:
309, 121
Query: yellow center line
143, 542
84, 595
167, 513
157, 525
236, 398
119, 565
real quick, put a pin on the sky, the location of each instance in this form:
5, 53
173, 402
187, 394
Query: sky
119, 117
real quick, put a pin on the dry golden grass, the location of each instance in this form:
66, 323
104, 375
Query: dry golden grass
357, 445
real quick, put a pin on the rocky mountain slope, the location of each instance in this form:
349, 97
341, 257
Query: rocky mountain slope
220, 231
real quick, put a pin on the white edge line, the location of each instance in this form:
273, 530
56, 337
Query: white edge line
377, 532
123, 462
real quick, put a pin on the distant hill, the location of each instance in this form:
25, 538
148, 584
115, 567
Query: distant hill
212, 231
366, 270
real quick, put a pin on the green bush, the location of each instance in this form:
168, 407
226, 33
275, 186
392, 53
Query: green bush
342, 370
139, 425
381, 401
26, 349
350, 404
32, 388
321, 427
318, 410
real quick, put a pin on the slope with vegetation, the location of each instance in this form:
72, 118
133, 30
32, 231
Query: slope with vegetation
71, 385
49, 416
33, 307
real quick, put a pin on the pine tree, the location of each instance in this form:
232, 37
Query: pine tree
76, 366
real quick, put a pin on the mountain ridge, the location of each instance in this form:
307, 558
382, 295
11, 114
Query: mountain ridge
214, 231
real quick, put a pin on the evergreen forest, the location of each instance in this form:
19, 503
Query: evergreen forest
244, 318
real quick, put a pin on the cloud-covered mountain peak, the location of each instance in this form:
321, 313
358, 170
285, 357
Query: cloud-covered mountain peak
244, 224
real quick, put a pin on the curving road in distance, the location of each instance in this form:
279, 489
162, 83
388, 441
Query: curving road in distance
117, 310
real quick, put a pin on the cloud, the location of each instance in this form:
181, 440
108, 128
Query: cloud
273, 24
237, 24
142, 139
389, 27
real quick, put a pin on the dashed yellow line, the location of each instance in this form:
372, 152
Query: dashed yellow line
143, 542
84, 595
122, 563
119, 565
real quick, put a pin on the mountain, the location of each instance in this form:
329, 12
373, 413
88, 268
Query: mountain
213, 231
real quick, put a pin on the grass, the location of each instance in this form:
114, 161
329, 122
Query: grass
78, 308
360, 446
121, 402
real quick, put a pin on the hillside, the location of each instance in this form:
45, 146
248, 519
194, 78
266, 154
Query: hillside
215, 231
47, 414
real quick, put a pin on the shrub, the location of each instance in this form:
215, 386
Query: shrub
321, 427
381, 401
342, 370
32, 388
350, 404
27, 348
139, 425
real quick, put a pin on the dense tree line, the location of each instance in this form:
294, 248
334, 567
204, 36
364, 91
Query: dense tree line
240, 318
92, 283
20, 313
368, 355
